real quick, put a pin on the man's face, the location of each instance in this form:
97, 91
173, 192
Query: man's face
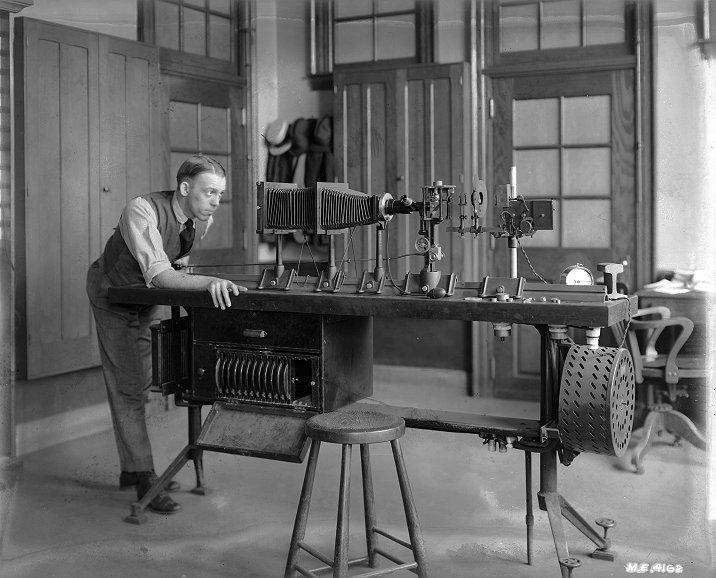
202, 195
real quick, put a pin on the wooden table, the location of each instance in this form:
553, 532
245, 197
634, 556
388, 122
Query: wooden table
461, 306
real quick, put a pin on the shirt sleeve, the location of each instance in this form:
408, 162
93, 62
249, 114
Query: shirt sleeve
139, 228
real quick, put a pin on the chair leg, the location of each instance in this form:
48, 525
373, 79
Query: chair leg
652, 424
368, 505
680, 425
340, 559
299, 527
411, 515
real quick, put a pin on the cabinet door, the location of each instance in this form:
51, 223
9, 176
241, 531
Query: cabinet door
84, 123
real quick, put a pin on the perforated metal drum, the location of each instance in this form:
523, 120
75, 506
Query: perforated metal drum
596, 400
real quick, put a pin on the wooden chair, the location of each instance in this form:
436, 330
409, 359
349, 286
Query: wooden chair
663, 374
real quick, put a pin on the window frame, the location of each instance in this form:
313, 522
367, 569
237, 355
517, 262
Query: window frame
582, 57
322, 25
198, 65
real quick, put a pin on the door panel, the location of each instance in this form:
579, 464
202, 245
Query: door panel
571, 138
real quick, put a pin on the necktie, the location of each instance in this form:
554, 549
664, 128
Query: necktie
186, 237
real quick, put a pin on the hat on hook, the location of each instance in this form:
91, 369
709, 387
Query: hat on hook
300, 134
277, 137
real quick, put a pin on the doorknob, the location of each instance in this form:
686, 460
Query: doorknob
400, 178
105, 189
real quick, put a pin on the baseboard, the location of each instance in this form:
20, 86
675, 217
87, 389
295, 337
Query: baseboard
63, 427
420, 375
73, 424
55, 429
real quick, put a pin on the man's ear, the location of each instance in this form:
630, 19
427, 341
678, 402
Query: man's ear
184, 188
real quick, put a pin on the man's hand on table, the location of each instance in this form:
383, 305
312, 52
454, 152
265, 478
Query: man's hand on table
221, 289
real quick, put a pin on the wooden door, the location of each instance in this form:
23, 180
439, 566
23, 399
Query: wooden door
87, 139
396, 131
571, 139
131, 160
206, 117
57, 188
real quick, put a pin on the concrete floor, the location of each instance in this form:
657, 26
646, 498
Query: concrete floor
66, 518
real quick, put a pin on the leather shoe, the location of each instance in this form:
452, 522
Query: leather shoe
162, 502
128, 480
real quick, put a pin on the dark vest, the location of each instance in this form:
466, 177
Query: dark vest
120, 266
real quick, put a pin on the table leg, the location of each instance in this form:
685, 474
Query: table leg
549, 497
196, 455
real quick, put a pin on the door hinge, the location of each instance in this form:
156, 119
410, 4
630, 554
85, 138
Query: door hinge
492, 367
459, 80
243, 116
491, 108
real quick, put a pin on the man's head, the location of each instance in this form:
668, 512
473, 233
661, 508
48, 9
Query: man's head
201, 181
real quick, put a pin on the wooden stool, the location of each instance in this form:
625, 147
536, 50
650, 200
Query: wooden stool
348, 428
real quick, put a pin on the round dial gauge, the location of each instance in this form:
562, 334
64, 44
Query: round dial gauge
576, 275
422, 244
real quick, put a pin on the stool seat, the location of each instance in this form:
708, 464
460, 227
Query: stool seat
355, 427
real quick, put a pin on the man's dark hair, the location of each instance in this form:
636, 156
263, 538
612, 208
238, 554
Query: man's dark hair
197, 164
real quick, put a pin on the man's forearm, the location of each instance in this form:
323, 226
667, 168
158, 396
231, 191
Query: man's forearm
171, 279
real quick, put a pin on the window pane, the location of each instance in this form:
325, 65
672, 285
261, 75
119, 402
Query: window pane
223, 6
215, 130
587, 120
561, 24
183, 126
194, 31
395, 5
544, 238
396, 37
586, 224
220, 38
346, 8
536, 122
166, 32
353, 41
537, 173
605, 22
587, 172
518, 28
199, 3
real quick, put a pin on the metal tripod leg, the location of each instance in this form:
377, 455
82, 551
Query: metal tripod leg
190, 452
137, 515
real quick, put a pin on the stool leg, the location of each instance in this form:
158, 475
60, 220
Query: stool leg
340, 559
368, 505
411, 515
299, 527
